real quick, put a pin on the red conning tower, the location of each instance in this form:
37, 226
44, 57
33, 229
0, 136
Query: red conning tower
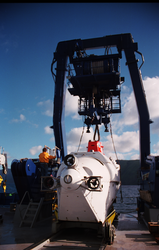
95, 146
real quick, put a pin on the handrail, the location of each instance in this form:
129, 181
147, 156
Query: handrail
141, 57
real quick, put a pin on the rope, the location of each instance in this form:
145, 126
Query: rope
116, 158
111, 133
80, 138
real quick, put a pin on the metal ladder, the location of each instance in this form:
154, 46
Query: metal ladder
32, 212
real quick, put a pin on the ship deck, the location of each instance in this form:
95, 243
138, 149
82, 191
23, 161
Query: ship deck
130, 233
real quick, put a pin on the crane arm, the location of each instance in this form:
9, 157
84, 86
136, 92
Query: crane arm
109, 78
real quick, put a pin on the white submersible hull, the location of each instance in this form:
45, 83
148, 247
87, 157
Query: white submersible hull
89, 182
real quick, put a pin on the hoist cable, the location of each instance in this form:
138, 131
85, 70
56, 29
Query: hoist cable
116, 158
113, 141
81, 138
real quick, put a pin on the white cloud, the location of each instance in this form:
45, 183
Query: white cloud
71, 106
35, 150
124, 143
129, 114
155, 125
125, 92
156, 148
127, 143
135, 157
130, 111
119, 156
52, 139
47, 107
15, 120
21, 119
71, 148
74, 136
48, 130
152, 94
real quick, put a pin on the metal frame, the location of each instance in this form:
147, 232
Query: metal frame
65, 50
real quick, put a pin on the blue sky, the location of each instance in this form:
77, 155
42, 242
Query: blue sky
29, 34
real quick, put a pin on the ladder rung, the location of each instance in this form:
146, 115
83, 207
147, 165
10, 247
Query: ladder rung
27, 221
34, 204
32, 209
29, 215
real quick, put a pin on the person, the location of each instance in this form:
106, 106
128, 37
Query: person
44, 158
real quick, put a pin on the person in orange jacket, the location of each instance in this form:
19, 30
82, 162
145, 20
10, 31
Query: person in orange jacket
44, 157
